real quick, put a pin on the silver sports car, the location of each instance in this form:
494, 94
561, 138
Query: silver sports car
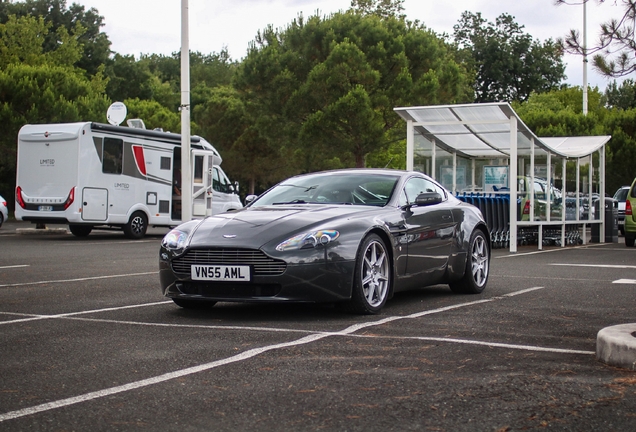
352, 237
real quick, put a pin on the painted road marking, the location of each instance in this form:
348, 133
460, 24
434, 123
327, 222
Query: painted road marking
32, 317
625, 281
595, 265
77, 280
483, 343
244, 356
14, 266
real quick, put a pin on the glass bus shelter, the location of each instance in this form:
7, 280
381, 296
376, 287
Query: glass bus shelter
479, 148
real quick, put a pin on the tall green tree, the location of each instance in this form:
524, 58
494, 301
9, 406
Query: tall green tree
95, 43
324, 88
128, 78
226, 120
40, 86
509, 64
619, 164
381, 8
621, 96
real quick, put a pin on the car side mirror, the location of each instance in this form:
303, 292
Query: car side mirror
249, 199
236, 187
428, 198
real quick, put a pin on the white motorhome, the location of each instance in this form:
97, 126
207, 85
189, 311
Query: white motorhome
91, 175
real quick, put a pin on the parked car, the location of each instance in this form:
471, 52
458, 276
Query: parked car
621, 197
570, 209
630, 217
4, 211
350, 237
543, 192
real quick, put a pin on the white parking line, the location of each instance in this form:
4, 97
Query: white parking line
32, 317
14, 266
595, 265
239, 357
625, 281
77, 280
488, 344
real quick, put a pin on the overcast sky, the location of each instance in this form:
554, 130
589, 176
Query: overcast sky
154, 26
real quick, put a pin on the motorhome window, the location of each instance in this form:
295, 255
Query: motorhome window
113, 154
198, 169
165, 163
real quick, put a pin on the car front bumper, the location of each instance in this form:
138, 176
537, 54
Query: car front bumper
318, 281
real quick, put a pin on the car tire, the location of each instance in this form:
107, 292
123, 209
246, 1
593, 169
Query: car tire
1, 220
477, 266
136, 227
629, 239
80, 230
193, 304
372, 278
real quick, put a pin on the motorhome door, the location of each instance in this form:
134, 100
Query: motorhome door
202, 163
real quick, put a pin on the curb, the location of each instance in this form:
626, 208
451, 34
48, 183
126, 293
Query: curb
40, 231
616, 346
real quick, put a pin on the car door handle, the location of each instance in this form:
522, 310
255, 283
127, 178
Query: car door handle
446, 217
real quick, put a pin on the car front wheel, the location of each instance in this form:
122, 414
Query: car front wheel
372, 279
477, 266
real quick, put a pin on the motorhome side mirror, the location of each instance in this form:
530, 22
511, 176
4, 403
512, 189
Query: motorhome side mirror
236, 187
428, 198
249, 199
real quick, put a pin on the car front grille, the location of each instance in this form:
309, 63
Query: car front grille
261, 263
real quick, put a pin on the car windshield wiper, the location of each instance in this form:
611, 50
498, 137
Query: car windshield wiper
296, 201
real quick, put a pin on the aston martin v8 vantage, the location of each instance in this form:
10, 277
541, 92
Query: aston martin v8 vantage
350, 237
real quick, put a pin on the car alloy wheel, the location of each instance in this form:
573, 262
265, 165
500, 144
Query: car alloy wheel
372, 281
477, 266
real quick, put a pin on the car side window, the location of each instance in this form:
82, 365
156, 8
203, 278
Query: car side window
418, 185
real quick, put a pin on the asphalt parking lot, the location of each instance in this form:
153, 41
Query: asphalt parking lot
88, 343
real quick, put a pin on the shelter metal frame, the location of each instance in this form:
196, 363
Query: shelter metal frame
488, 131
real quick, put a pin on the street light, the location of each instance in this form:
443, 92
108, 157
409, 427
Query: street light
585, 57
186, 176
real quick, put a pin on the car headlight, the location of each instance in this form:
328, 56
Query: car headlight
175, 240
308, 240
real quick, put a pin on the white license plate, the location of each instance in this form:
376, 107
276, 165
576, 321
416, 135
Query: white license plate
220, 273
621, 222
45, 208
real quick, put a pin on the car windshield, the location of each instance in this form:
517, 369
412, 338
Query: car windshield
345, 188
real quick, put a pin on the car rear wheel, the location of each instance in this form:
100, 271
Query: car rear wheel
629, 239
136, 226
372, 279
477, 266
80, 230
193, 304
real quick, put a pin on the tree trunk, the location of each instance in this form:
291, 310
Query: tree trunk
360, 160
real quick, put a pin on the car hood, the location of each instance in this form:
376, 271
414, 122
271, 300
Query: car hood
254, 227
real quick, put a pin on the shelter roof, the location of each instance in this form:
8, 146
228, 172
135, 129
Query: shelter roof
483, 130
